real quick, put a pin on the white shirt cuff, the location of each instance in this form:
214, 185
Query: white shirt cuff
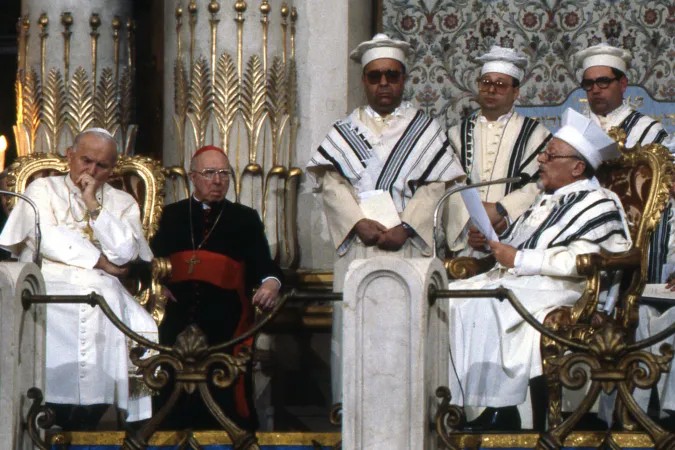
272, 278
528, 262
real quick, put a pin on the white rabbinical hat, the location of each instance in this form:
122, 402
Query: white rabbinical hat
603, 55
587, 138
503, 60
381, 46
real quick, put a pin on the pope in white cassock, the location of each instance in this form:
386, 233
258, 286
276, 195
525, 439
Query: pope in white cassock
388, 155
494, 352
89, 232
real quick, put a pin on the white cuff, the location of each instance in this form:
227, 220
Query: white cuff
272, 278
528, 262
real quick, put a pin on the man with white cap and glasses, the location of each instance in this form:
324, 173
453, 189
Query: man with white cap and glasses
605, 82
387, 159
492, 143
494, 352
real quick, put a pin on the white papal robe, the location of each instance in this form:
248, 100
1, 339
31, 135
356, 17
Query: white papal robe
87, 357
494, 351
415, 167
488, 151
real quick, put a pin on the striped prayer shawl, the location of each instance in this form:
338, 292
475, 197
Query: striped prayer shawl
589, 214
629, 126
419, 156
658, 246
518, 160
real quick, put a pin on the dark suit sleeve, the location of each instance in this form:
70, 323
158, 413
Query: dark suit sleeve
259, 262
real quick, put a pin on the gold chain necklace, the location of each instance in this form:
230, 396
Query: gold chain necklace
193, 261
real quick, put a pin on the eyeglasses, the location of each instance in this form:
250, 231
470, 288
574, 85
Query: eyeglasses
375, 76
500, 87
602, 82
210, 174
549, 156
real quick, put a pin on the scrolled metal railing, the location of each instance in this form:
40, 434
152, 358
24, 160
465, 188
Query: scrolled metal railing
613, 366
193, 361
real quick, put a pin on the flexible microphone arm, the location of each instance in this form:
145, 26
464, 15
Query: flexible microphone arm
522, 178
37, 259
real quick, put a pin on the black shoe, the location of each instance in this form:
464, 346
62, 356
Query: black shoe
495, 419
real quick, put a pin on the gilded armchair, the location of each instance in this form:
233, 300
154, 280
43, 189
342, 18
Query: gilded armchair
140, 176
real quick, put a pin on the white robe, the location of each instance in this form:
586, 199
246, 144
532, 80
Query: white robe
87, 357
494, 352
338, 179
489, 151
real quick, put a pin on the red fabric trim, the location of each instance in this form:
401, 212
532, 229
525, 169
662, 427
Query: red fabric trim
226, 273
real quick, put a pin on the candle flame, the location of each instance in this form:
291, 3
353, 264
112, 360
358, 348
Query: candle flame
3, 143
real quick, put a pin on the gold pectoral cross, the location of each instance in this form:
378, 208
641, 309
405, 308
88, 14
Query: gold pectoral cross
192, 261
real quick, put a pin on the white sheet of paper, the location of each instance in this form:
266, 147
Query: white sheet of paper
657, 291
378, 205
479, 216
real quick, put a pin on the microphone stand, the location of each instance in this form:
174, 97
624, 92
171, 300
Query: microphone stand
37, 259
522, 178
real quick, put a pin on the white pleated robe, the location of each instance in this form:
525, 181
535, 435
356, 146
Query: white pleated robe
87, 357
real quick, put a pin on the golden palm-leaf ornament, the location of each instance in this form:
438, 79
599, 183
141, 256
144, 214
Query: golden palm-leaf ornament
226, 97
180, 104
126, 93
53, 108
80, 102
106, 103
253, 102
277, 103
32, 93
199, 100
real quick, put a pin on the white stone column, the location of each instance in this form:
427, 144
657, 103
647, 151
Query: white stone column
76, 71
22, 350
395, 353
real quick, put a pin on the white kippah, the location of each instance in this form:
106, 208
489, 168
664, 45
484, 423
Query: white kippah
381, 46
603, 55
587, 138
503, 60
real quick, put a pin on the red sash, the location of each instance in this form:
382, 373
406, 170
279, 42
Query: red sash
226, 273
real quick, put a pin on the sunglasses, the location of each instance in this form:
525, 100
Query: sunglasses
602, 82
375, 76
500, 87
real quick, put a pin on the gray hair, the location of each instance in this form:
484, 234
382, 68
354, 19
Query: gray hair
100, 133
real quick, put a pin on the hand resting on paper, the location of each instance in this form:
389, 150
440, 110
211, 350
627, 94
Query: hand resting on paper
393, 239
369, 231
476, 239
498, 221
504, 254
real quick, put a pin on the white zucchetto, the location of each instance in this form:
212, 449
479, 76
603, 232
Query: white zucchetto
503, 60
587, 138
603, 55
381, 46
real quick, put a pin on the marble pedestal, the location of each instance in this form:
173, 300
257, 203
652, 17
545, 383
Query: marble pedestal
22, 350
395, 353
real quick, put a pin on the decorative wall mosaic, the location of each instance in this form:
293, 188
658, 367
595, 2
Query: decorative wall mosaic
447, 35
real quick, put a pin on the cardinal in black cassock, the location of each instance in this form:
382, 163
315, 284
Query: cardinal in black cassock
218, 253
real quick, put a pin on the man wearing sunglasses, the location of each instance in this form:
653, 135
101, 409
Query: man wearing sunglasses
386, 154
495, 142
218, 253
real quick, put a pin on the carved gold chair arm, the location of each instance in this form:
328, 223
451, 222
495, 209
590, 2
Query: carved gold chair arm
464, 267
146, 280
177, 174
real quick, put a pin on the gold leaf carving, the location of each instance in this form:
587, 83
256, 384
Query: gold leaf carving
53, 108
106, 103
180, 88
226, 96
292, 81
32, 93
18, 90
126, 102
276, 102
199, 100
80, 102
253, 101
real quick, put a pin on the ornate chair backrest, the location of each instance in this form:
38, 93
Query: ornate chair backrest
641, 178
140, 176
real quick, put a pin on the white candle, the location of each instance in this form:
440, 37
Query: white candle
3, 148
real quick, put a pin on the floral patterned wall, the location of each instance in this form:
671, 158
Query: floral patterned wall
447, 35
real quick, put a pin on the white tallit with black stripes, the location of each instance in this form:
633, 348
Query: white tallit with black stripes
415, 152
494, 351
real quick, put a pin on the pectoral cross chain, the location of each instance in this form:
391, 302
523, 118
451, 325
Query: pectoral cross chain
192, 261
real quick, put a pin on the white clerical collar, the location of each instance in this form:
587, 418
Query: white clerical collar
398, 112
77, 192
501, 119
204, 205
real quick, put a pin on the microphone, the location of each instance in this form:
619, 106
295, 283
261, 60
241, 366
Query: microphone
521, 179
37, 259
